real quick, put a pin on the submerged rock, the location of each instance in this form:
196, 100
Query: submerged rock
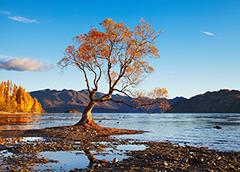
217, 127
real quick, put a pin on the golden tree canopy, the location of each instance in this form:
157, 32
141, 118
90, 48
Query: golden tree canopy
116, 53
15, 99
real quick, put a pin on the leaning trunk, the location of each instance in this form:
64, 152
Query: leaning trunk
87, 114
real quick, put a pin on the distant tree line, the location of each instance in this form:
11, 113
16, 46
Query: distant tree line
14, 98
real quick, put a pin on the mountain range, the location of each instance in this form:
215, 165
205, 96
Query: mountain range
55, 101
65, 100
222, 101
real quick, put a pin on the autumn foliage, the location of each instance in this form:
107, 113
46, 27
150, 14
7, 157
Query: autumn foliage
114, 54
15, 99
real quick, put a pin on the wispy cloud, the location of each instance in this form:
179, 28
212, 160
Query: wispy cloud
208, 33
5, 12
22, 19
22, 64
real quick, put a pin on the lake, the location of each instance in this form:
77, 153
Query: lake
185, 129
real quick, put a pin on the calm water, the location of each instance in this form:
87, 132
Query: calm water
190, 129
68, 160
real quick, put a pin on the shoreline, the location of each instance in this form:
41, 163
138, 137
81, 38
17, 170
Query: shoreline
157, 155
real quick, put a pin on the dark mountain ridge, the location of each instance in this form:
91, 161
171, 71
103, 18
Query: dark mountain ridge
222, 101
65, 100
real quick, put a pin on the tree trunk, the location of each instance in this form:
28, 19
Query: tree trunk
87, 115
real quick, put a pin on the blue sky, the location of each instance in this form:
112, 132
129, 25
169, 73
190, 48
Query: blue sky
199, 46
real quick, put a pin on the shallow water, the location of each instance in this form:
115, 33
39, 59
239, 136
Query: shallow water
191, 129
5, 153
69, 160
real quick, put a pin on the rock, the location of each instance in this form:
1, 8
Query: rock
115, 160
217, 127
165, 163
103, 161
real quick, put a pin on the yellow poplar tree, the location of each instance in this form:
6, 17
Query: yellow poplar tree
16, 99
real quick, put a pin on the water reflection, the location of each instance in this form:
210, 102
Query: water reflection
86, 158
19, 121
195, 129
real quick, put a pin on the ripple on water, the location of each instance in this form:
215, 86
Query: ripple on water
189, 127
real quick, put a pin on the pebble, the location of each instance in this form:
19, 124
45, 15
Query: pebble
115, 160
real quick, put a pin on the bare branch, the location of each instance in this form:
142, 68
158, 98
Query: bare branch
85, 76
115, 52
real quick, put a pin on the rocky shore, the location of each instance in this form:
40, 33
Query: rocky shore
18, 155
164, 156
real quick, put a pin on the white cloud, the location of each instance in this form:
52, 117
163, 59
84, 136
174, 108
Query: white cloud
5, 12
208, 33
22, 64
23, 19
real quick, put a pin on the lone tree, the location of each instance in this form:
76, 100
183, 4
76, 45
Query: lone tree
120, 56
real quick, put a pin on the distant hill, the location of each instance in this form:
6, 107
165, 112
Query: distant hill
213, 102
209, 102
176, 100
65, 100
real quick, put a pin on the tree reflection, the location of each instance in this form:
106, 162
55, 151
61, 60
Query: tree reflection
18, 121
87, 147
